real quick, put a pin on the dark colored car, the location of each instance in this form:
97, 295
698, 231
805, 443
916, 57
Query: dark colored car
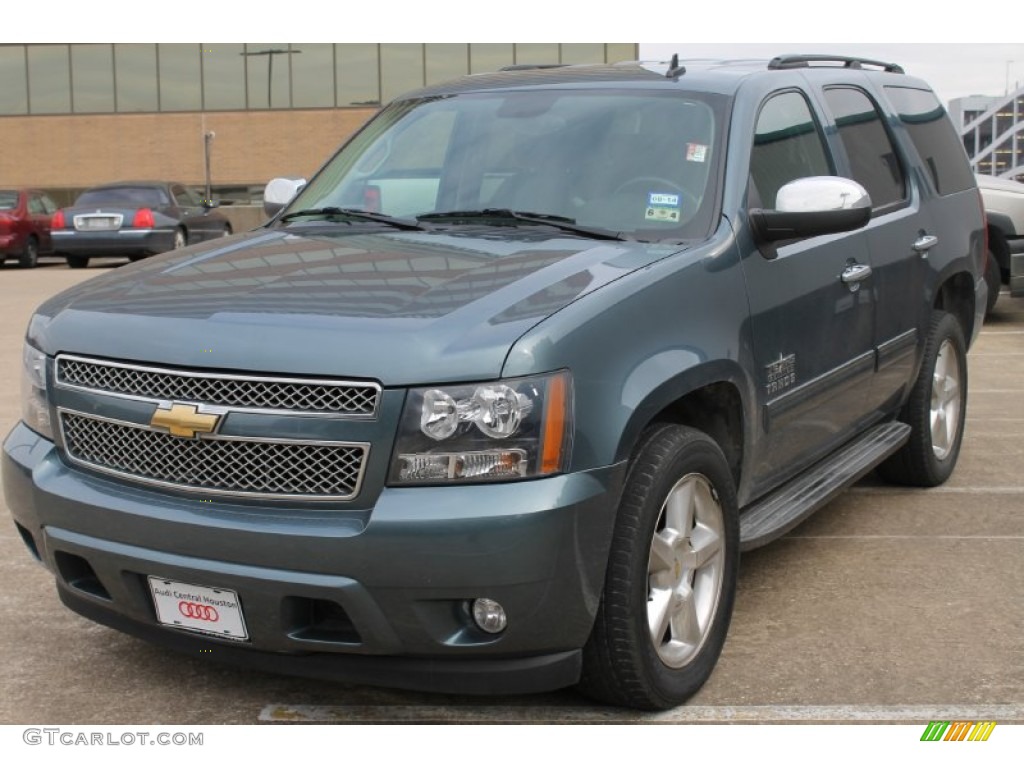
495, 403
25, 225
134, 219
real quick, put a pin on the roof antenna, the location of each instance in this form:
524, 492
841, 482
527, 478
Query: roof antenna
674, 70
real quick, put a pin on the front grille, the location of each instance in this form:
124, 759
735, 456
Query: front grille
340, 398
288, 469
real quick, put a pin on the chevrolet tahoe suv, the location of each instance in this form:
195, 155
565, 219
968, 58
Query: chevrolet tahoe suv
494, 404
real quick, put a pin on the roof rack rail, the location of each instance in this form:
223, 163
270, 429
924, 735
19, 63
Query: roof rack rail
518, 67
793, 61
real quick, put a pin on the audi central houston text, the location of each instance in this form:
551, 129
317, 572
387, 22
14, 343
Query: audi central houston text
495, 401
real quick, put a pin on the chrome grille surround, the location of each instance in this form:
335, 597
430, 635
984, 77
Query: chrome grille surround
262, 394
214, 464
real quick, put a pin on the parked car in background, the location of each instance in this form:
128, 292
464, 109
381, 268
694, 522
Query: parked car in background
134, 219
1004, 215
25, 225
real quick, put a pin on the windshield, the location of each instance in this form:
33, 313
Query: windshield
638, 163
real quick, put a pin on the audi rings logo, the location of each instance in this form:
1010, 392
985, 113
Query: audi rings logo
198, 611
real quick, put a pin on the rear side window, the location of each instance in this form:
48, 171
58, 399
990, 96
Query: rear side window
126, 196
787, 146
873, 160
934, 137
8, 200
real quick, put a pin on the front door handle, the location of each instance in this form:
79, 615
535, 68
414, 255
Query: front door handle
924, 243
855, 273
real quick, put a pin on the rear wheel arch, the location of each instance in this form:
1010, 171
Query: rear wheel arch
956, 296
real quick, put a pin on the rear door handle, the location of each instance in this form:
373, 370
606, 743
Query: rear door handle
924, 243
855, 273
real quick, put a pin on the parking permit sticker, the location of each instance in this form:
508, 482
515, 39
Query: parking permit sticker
662, 207
696, 153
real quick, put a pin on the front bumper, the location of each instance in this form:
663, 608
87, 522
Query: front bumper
400, 575
121, 242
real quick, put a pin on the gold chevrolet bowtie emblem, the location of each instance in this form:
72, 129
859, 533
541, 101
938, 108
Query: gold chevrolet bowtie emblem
184, 420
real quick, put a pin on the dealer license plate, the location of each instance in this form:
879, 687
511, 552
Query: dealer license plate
208, 610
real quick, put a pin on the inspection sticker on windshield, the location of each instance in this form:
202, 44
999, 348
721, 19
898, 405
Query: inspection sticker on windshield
696, 153
662, 207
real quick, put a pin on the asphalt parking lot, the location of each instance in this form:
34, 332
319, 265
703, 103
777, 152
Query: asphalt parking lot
889, 605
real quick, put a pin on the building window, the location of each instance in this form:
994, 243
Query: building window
13, 80
488, 57
180, 77
224, 76
401, 69
313, 76
357, 74
268, 74
537, 53
49, 79
92, 78
135, 77
582, 53
446, 61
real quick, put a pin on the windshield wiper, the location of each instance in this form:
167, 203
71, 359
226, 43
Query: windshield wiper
331, 211
563, 223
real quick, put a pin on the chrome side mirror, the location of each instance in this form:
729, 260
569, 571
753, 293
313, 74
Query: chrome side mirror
815, 205
279, 192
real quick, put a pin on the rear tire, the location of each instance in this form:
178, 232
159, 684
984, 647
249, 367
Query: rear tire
671, 578
935, 410
77, 262
30, 256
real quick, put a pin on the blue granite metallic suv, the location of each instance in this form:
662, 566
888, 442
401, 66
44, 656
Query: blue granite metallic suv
496, 401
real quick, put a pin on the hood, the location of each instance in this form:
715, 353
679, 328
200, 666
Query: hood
398, 307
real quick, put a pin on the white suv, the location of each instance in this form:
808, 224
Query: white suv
1004, 211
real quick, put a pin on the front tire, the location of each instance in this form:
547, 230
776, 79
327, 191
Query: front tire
935, 410
77, 262
671, 578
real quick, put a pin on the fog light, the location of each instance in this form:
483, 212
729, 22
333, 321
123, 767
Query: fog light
489, 615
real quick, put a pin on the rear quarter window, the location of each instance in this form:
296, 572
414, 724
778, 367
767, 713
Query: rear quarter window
934, 137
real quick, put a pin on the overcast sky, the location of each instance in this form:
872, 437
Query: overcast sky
956, 53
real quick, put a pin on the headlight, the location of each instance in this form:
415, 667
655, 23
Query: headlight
35, 411
498, 430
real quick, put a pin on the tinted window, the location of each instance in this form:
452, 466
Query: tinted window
934, 137
129, 196
873, 160
787, 146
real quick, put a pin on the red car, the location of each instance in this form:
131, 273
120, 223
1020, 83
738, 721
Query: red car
25, 225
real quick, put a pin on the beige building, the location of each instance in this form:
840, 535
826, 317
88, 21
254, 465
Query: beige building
74, 115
